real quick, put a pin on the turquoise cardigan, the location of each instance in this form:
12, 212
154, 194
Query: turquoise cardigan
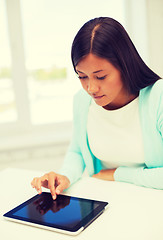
80, 156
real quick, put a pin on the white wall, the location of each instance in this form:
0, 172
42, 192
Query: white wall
136, 25
144, 23
155, 34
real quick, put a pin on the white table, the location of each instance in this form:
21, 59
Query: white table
134, 212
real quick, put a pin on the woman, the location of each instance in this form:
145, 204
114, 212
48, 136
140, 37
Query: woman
118, 117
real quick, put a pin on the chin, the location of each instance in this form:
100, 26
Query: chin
101, 104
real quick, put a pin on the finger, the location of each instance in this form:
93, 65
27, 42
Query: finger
33, 182
38, 186
36, 183
41, 182
51, 184
63, 183
44, 181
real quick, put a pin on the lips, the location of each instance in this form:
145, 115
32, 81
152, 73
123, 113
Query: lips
98, 97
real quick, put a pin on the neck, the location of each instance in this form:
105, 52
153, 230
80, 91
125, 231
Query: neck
112, 106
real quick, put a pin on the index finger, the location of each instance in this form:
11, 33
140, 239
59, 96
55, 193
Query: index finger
51, 184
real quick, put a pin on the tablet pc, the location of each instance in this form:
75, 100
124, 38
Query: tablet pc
66, 214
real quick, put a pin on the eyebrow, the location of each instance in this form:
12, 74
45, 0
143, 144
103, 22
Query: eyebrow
93, 72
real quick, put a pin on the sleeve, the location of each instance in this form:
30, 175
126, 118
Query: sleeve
141, 176
73, 165
160, 116
144, 176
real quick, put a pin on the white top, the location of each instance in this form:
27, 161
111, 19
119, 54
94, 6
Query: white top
115, 136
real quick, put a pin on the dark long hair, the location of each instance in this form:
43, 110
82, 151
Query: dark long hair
106, 38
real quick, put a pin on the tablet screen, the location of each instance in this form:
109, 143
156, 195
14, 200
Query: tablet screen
66, 212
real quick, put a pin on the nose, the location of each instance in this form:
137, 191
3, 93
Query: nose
92, 87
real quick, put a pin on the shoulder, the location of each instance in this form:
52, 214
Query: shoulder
157, 87
81, 103
151, 99
153, 92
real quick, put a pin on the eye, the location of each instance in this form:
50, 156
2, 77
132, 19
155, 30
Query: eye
101, 78
84, 77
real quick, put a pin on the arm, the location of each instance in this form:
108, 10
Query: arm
72, 168
74, 164
142, 176
106, 174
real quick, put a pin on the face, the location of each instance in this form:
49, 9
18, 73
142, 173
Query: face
102, 81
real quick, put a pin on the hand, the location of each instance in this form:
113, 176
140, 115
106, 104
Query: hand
55, 182
105, 174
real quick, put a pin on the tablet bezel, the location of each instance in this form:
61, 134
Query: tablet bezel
63, 229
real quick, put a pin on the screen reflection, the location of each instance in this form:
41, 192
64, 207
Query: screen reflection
64, 211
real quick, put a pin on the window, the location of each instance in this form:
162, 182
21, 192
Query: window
37, 81
49, 28
7, 97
